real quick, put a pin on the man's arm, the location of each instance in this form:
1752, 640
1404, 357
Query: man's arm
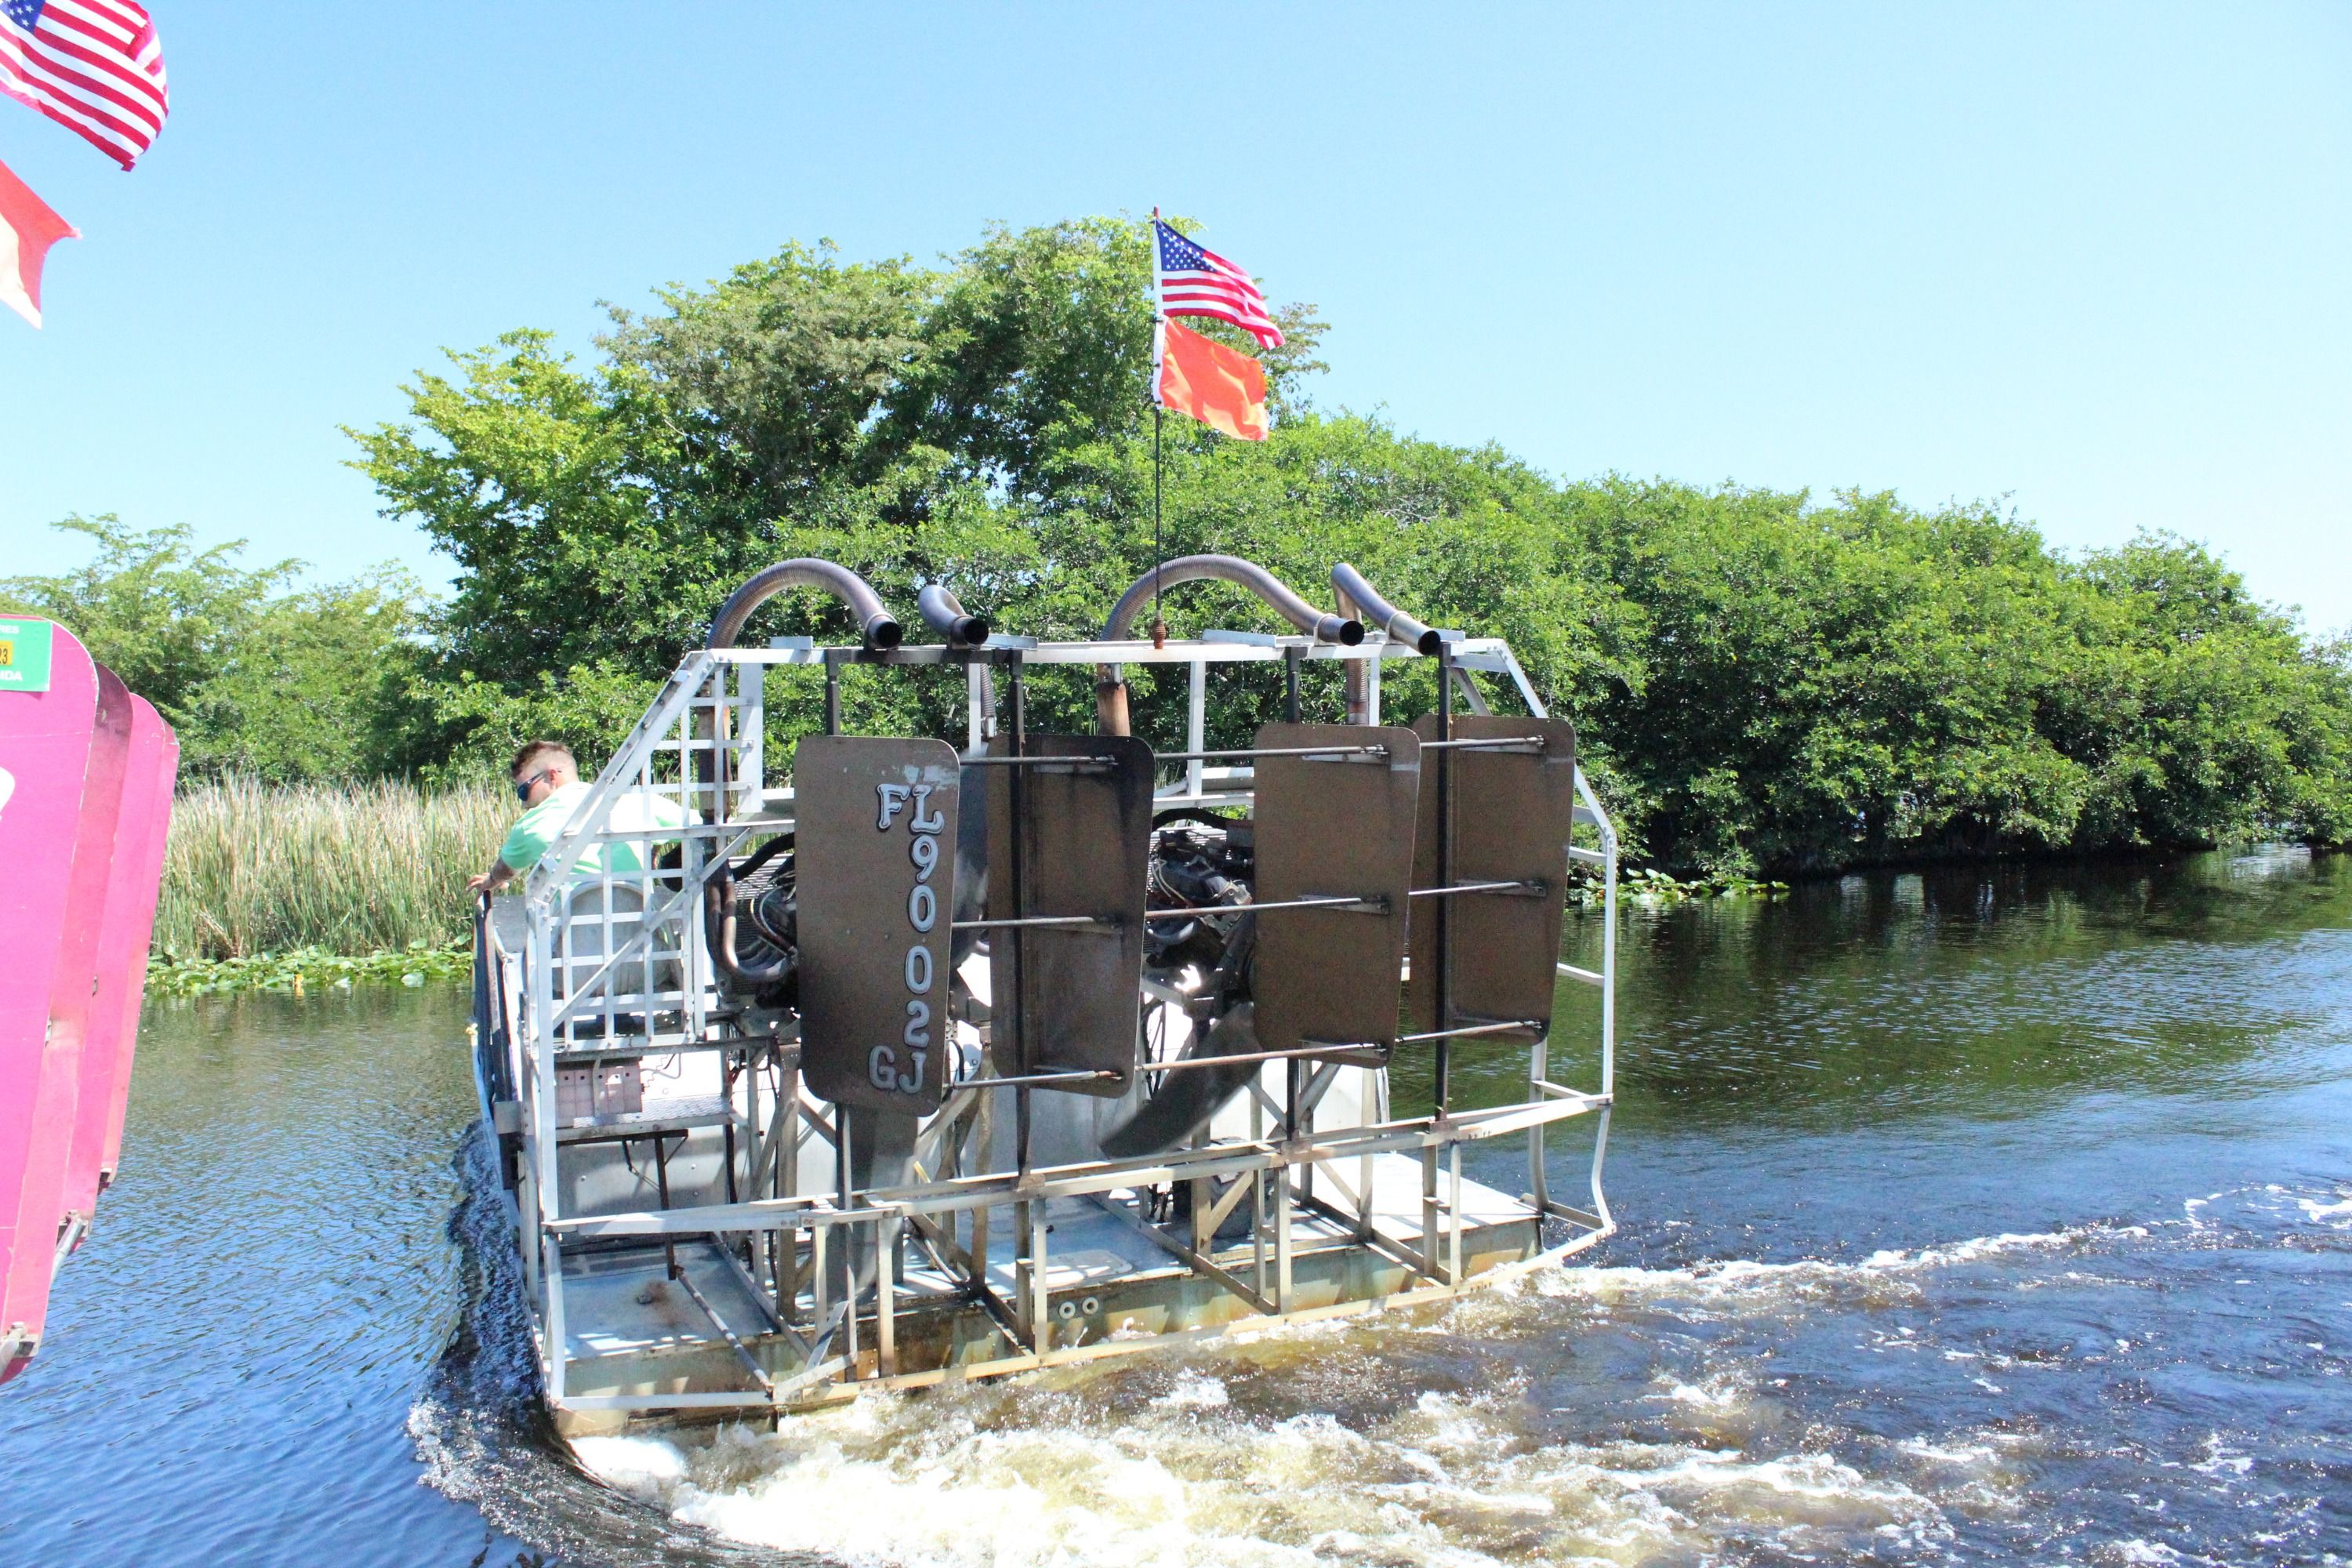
490, 881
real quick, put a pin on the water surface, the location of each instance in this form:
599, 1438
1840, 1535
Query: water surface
1972, 1217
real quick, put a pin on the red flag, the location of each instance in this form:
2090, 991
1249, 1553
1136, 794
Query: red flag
27, 229
1198, 377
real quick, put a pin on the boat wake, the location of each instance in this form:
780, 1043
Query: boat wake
482, 1430
1733, 1411
1474, 1434
1194, 1475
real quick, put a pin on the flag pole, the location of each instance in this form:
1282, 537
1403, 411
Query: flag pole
1158, 535
1158, 531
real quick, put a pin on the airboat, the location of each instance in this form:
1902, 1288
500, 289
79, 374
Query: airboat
931, 1063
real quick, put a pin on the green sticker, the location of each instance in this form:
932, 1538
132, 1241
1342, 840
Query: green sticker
24, 655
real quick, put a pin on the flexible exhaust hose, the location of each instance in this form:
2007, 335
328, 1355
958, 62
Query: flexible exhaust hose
878, 629
1110, 686
944, 613
876, 625
718, 934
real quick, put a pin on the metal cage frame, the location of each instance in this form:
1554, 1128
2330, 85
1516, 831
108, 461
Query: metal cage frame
586, 969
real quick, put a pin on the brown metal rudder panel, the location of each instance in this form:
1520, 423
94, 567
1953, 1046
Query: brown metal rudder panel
1512, 815
1084, 837
1336, 825
875, 869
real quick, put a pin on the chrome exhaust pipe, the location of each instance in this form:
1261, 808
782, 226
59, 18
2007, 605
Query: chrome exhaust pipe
1110, 686
876, 627
1359, 596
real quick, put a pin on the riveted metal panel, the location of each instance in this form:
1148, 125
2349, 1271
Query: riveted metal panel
1084, 837
1512, 813
876, 899
1340, 824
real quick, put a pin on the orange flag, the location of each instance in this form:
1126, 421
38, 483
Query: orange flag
27, 229
1200, 378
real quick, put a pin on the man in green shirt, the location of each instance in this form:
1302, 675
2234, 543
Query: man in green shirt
547, 781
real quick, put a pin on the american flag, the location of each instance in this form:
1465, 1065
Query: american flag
1195, 281
93, 66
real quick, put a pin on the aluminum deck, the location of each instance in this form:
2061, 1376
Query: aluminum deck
1113, 1282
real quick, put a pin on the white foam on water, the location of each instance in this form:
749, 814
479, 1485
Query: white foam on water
2326, 1213
641, 1467
1888, 1273
2133, 1552
2220, 1460
1971, 1454
1015, 1478
1181, 1473
1195, 1390
2271, 1207
1706, 1399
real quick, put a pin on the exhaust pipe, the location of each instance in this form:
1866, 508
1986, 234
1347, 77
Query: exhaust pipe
1110, 686
944, 613
1321, 625
718, 934
1358, 594
876, 625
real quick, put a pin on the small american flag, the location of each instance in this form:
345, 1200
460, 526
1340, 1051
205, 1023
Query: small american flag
93, 66
1195, 281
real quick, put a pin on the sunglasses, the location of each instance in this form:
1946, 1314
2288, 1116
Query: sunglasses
524, 786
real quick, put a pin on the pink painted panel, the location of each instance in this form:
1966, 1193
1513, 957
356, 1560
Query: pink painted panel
73, 995
44, 747
124, 928
167, 781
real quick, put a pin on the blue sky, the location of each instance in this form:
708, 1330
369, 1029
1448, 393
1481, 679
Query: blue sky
2090, 259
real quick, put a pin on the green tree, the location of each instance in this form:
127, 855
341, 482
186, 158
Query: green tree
259, 678
151, 606
1764, 681
598, 515
2214, 719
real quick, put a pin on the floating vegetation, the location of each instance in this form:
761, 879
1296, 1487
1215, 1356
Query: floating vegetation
303, 971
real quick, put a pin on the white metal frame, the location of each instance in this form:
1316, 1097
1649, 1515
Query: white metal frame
646, 976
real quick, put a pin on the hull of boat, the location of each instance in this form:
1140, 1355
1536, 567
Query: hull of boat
86, 773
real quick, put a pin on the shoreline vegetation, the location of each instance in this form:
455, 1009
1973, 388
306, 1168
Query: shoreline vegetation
307, 890
305, 971
1766, 684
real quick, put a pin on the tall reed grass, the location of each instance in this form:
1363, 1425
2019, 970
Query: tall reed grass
352, 869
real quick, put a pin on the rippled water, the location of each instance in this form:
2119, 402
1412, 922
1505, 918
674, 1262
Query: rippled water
1968, 1218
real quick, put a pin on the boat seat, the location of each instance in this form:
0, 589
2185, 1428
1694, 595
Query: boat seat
598, 920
